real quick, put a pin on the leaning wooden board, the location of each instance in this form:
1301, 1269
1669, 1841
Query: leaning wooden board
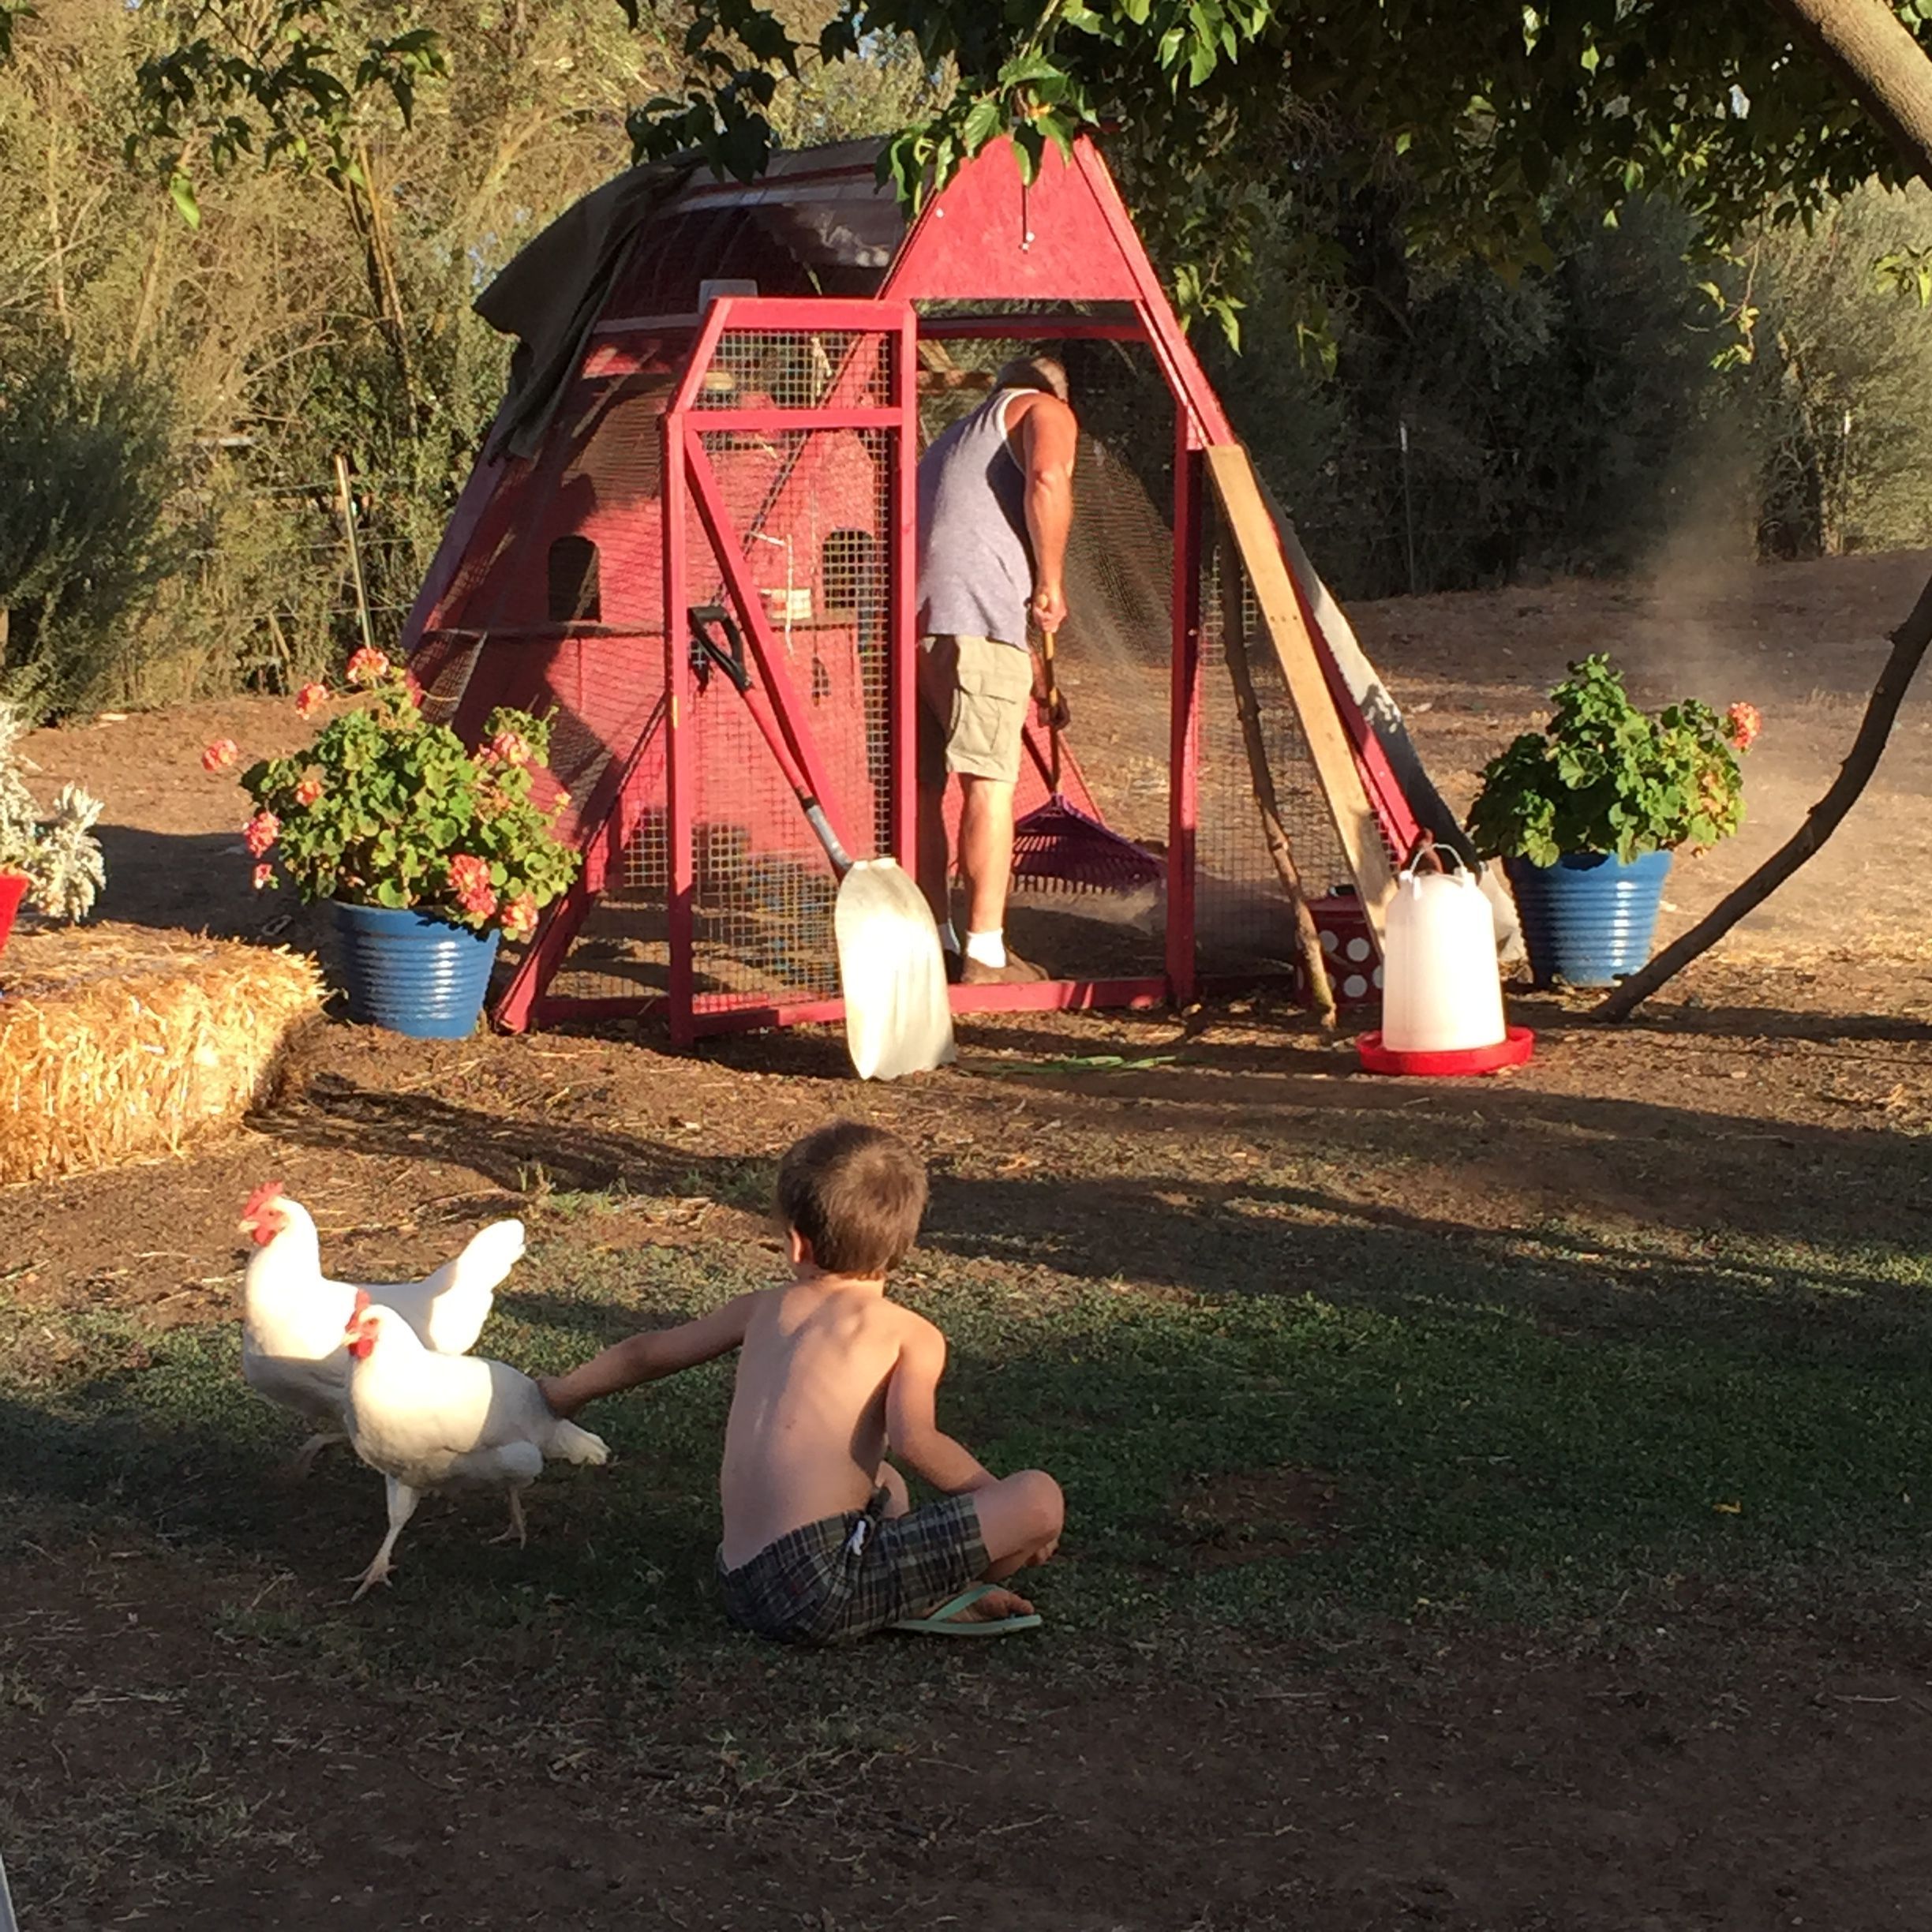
1256, 538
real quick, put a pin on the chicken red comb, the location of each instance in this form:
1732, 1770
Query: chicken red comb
268, 1191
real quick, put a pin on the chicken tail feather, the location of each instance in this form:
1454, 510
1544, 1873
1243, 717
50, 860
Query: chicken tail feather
570, 1443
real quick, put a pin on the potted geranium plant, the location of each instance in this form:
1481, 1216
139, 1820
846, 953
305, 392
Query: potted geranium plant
1587, 813
53, 863
429, 851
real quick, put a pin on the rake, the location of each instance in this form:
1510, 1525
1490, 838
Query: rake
1058, 846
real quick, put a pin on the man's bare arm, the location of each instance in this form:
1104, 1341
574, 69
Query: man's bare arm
649, 1357
911, 1425
1049, 440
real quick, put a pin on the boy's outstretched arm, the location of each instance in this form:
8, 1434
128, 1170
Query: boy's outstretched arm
645, 1358
911, 1427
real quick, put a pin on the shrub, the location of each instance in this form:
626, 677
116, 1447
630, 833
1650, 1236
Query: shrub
84, 478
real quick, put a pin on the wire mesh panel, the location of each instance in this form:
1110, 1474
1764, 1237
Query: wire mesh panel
1243, 923
811, 510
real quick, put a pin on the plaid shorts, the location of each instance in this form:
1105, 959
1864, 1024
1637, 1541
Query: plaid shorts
835, 1581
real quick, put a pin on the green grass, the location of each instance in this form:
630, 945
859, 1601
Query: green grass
1556, 1430
1542, 1428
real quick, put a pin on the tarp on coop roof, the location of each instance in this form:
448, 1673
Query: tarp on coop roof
818, 223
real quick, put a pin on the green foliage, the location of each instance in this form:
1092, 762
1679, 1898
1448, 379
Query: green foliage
1481, 114
59, 853
386, 808
1605, 777
283, 79
1839, 384
84, 479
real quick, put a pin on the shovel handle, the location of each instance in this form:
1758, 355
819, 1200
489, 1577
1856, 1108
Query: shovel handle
729, 658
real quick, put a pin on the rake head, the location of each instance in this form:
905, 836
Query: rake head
1059, 847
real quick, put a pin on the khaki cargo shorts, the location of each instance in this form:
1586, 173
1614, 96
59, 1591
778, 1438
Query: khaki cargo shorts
973, 697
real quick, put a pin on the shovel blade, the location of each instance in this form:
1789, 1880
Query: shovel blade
898, 1019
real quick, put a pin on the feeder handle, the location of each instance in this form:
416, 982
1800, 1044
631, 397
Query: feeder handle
1425, 846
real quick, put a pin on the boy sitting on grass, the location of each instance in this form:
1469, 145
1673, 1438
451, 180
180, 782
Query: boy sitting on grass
821, 1544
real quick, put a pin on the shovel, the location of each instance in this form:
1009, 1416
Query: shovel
898, 1015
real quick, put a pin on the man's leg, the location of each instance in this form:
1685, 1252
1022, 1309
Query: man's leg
935, 859
932, 858
986, 850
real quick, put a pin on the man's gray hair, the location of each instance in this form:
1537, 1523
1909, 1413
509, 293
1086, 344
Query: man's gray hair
1033, 372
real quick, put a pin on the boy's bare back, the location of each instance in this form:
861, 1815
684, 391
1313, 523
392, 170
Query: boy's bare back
821, 1543
808, 1417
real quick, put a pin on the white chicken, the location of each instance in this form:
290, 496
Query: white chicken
430, 1421
293, 1318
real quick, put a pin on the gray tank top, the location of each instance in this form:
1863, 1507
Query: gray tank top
975, 565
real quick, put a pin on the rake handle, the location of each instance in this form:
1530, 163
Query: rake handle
1053, 713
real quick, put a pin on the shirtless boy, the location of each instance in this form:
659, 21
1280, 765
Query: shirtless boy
821, 1544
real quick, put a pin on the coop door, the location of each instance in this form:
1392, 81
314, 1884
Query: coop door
788, 511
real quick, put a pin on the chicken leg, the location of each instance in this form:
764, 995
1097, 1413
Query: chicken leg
517, 1529
303, 1460
402, 1501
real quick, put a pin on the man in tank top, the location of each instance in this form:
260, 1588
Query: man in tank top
995, 504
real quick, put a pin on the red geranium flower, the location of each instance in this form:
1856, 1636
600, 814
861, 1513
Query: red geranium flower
1743, 722
264, 875
219, 755
308, 791
261, 832
519, 919
368, 666
309, 697
469, 879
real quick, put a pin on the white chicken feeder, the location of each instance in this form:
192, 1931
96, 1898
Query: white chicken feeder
1442, 994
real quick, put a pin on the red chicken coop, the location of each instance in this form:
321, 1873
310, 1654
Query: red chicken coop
701, 484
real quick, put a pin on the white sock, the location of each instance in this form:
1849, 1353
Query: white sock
948, 938
989, 949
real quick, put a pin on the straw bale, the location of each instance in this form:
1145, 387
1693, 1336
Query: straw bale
118, 1043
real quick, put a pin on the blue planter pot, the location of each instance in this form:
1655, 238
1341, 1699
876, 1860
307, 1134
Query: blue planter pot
1589, 919
413, 973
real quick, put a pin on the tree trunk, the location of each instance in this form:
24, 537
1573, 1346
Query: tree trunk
1908, 646
1884, 66
1887, 72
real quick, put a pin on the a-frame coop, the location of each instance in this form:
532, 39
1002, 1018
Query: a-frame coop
717, 408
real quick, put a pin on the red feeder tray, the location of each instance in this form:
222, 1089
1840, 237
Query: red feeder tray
1512, 1051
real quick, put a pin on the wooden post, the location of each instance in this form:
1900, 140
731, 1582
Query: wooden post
1267, 802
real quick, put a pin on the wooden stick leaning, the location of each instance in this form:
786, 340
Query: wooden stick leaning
1286, 631
1267, 801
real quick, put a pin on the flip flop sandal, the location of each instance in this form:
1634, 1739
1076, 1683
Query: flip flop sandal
946, 1621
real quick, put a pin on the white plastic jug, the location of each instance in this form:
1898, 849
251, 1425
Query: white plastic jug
1441, 992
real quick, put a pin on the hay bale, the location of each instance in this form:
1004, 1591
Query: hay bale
117, 1043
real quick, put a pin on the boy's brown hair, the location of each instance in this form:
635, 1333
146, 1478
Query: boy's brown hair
856, 1193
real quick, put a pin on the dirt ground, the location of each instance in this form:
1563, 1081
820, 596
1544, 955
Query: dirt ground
1708, 1768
